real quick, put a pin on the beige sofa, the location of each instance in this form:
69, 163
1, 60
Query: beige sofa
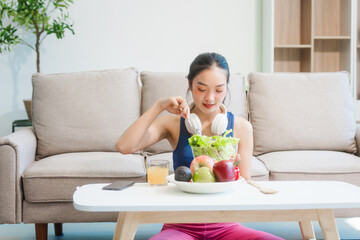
304, 129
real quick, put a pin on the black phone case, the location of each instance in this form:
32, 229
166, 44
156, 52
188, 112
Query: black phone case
119, 185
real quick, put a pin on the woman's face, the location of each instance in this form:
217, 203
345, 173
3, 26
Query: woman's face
209, 89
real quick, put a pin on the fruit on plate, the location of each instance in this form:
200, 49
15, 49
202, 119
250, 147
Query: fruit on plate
183, 174
203, 175
237, 173
236, 167
201, 161
224, 171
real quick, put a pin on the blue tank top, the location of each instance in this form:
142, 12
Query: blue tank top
182, 155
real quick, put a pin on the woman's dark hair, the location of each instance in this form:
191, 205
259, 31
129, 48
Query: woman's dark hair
206, 61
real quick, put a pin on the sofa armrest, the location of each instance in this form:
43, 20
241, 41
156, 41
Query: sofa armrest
17, 151
357, 139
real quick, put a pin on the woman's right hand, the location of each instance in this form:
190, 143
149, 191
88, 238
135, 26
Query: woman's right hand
175, 105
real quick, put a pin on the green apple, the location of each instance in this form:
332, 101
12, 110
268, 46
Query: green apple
203, 175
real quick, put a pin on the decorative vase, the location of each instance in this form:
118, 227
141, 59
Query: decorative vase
28, 106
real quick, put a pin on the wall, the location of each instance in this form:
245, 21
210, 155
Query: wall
154, 35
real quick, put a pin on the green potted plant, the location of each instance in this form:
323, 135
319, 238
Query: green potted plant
39, 17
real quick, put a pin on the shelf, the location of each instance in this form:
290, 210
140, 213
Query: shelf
293, 46
292, 60
331, 55
332, 17
333, 37
292, 22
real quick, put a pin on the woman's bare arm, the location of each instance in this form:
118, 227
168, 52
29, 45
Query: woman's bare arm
148, 130
245, 147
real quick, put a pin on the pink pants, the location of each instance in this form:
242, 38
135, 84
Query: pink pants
211, 231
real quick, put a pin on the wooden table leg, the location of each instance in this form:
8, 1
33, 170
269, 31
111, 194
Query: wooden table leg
58, 227
126, 226
328, 224
128, 222
307, 231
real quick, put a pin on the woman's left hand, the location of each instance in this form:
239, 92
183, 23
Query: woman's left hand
237, 160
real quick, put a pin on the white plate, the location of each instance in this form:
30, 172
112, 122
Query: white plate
215, 187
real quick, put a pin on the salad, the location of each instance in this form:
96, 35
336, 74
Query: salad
217, 147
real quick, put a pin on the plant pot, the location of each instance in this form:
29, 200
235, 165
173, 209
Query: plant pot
28, 107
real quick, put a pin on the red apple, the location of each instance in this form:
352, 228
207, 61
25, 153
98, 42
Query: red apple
224, 171
201, 161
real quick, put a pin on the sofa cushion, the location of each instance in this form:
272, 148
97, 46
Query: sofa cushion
64, 212
301, 111
312, 165
259, 171
159, 85
84, 111
55, 178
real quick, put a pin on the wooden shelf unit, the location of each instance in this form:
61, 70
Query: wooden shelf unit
332, 55
309, 35
293, 18
332, 17
293, 46
292, 59
332, 37
313, 36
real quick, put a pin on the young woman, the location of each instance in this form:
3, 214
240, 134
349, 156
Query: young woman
208, 80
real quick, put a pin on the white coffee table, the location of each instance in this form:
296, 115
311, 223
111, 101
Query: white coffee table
300, 201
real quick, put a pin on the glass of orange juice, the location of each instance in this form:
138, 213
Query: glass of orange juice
157, 171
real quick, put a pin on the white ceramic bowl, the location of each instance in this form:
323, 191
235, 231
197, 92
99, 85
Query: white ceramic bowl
215, 187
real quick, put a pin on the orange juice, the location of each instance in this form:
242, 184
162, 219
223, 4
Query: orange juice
157, 171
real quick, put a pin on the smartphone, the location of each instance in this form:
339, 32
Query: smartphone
119, 185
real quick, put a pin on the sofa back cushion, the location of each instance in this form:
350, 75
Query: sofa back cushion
158, 85
301, 111
84, 111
